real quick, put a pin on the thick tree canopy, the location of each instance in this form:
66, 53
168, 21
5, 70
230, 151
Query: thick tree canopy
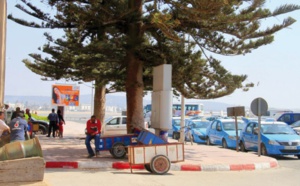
140, 34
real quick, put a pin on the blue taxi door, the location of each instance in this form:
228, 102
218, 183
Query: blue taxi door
254, 138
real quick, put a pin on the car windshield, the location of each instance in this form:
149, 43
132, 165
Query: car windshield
296, 124
107, 119
231, 125
32, 119
276, 129
199, 124
177, 122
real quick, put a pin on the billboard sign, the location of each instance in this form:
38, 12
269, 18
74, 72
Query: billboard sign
67, 95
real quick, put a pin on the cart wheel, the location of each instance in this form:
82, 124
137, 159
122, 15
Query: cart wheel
118, 150
160, 164
148, 168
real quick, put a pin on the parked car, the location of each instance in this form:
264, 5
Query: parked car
289, 118
277, 138
114, 125
42, 128
247, 120
147, 118
223, 132
296, 126
212, 118
198, 130
175, 130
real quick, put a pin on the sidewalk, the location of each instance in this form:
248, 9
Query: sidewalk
70, 152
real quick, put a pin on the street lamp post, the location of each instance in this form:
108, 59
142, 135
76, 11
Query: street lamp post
92, 95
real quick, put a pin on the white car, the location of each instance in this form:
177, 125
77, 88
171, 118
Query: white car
114, 125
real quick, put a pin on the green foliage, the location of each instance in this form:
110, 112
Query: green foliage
101, 36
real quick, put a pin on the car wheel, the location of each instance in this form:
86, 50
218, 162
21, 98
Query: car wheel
193, 139
208, 141
224, 144
173, 135
42, 130
298, 156
242, 147
177, 135
264, 151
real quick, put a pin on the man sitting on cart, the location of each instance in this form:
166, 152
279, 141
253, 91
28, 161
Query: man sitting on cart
93, 131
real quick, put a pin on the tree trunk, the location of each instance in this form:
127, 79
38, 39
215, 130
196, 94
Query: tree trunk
134, 79
134, 93
99, 101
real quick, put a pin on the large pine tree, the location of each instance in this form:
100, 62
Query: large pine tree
177, 32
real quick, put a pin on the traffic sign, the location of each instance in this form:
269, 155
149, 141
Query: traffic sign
259, 107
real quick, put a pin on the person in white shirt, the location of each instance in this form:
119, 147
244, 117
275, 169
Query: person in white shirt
3, 126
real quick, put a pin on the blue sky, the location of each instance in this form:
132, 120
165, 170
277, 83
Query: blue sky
274, 69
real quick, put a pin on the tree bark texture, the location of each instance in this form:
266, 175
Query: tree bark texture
134, 90
134, 79
99, 102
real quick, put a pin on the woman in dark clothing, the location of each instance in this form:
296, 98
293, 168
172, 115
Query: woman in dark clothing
60, 124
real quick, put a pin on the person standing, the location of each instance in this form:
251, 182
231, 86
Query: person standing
93, 128
5, 110
18, 128
61, 123
3, 126
53, 118
15, 113
30, 125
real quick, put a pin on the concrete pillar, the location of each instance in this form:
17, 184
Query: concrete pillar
3, 15
161, 111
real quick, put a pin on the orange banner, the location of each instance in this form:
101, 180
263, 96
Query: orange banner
67, 95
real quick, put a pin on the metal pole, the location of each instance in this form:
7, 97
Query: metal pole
3, 14
259, 121
236, 131
182, 137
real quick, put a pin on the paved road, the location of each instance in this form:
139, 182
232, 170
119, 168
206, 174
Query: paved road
290, 162
287, 174
272, 177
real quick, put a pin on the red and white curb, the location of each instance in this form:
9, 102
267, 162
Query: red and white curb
174, 167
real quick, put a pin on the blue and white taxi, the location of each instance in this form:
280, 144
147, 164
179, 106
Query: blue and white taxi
223, 132
198, 130
277, 138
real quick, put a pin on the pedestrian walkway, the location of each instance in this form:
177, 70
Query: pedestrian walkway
70, 152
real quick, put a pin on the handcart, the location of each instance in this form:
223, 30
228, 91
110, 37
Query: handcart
155, 153
117, 144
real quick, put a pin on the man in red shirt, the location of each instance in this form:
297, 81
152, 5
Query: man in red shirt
93, 128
